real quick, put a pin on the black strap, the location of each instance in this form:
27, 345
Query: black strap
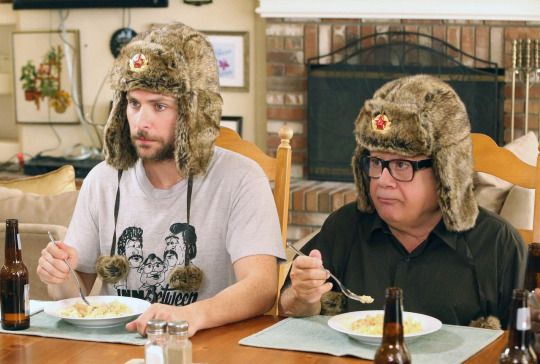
116, 207
189, 188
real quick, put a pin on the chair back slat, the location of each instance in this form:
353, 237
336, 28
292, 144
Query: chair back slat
278, 170
500, 162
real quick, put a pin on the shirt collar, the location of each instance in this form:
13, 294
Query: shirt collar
440, 230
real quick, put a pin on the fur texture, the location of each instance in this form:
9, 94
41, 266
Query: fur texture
332, 303
427, 117
112, 269
181, 63
490, 322
186, 278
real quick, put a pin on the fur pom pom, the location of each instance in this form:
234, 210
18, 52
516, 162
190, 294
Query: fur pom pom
490, 322
186, 279
332, 303
112, 269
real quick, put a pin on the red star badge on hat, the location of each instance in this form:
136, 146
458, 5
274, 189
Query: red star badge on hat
138, 62
380, 123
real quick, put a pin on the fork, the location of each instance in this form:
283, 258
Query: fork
72, 272
347, 292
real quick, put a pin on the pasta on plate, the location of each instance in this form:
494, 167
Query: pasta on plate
373, 325
96, 310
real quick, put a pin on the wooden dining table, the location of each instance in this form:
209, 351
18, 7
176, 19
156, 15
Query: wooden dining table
217, 345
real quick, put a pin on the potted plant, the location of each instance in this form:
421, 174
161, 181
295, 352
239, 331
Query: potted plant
28, 79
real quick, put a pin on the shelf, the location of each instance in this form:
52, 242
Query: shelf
5, 84
521, 10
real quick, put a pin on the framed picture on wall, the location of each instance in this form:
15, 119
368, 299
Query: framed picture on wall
46, 76
232, 122
232, 53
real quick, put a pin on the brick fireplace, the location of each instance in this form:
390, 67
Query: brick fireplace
291, 42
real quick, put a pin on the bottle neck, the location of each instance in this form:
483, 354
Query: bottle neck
12, 243
519, 327
393, 320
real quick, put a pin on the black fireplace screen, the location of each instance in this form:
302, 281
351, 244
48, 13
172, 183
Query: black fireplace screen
337, 91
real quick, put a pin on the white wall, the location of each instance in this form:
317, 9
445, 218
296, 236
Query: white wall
96, 59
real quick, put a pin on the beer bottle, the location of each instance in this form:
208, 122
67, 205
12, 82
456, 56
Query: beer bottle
14, 287
519, 348
532, 272
393, 348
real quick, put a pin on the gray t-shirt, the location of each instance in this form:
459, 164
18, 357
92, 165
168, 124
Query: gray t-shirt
232, 212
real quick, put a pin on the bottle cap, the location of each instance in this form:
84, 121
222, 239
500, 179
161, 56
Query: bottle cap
534, 248
394, 292
156, 326
520, 294
178, 327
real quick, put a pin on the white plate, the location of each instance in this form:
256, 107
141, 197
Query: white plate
343, 323
136, 305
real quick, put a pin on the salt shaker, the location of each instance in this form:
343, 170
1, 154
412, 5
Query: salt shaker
179, 345
156, 345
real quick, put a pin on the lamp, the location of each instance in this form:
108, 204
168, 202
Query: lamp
197, 2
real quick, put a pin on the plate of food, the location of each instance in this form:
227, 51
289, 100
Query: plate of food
367, 326
105, 311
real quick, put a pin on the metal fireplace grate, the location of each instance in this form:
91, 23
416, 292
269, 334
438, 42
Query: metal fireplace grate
340, 82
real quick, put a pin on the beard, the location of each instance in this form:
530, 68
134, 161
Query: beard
164, 153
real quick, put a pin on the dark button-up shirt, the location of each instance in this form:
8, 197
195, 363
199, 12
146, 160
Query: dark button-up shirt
455, 277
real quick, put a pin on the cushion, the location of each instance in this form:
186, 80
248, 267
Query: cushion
51, 183
518, 208
34, 238
490, 191
37, 209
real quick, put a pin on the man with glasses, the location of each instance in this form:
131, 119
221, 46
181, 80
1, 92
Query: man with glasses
415, 224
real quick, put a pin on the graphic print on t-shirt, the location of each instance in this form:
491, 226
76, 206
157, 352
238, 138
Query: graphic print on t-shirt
148, 275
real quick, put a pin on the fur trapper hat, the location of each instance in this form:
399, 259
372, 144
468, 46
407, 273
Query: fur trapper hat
173, 60
421, 115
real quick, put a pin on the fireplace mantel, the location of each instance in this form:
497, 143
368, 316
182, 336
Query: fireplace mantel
524, 10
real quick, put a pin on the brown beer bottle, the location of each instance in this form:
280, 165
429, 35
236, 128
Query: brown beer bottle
393, 348
532, 273
14, 285
519, 348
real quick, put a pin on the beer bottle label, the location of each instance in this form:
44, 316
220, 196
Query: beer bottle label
19, 242
523, 320
27, 299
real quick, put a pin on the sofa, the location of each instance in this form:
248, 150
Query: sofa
41, 204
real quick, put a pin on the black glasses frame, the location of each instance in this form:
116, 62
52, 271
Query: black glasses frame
416, 165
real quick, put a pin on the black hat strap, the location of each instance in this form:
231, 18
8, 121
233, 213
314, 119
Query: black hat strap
189, 189
117, 207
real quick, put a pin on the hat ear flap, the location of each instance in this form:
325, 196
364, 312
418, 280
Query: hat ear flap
197, 130
363, 201
185, 119
455, 186
119, 150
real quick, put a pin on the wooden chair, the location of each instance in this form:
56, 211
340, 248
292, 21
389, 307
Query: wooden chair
278, 170
500, 162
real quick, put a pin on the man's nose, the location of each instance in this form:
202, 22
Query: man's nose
143, 118
386, 178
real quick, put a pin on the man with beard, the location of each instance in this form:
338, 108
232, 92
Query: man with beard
162, 169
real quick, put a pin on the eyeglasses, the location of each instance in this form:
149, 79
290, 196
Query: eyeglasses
401, 169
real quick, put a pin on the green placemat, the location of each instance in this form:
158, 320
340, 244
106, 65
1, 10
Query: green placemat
42, 324
451, 344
